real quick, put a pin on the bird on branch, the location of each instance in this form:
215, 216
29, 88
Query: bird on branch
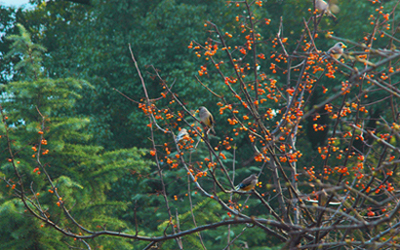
207, 119
248, 184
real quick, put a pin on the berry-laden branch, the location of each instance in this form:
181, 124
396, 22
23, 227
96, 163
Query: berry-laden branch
306, 155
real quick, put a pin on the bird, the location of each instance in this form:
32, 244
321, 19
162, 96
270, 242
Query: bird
182, 135
207, 118
324, 198
324, 7
248, 184
336, 51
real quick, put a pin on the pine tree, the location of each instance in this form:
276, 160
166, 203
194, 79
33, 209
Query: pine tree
46, 134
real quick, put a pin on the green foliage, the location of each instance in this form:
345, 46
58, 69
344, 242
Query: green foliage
7, 27
93, 44
19, 231
81, 172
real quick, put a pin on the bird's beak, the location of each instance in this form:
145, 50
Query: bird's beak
344, 46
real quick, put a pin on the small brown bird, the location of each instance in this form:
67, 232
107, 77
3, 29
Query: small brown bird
248, 184
324, 198
182, 135
207, 118
336, 51
324, 7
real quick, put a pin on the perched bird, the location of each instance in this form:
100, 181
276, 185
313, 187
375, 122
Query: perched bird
323, 196
248, 184
182, 135
325, 8
336, 51
206, 118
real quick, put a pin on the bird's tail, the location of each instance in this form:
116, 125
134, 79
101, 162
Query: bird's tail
212, 130
238, 187
331, 15
324, 57
178, 138
182, 137
333, 203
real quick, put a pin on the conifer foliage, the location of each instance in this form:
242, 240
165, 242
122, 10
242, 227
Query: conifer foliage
52, 171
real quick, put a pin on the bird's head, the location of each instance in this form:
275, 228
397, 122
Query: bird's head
342, 45
201, 109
